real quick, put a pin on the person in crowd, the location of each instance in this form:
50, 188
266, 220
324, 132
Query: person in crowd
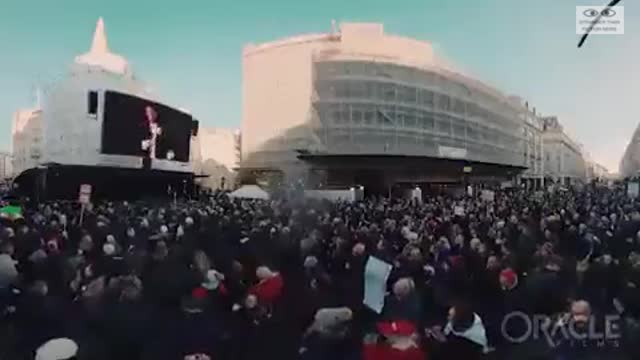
224, 278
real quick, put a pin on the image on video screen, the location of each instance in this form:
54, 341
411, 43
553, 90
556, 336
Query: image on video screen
139, 127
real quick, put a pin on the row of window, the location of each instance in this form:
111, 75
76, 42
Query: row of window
412, 75
389, 71
372, 90
389, 116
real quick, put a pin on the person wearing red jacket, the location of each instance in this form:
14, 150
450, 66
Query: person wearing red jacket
269, 288
400, 343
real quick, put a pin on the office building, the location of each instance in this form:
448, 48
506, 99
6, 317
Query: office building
564, 161
219, 157
358, 105
26, 139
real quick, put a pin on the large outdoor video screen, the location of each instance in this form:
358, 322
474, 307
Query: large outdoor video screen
139, 127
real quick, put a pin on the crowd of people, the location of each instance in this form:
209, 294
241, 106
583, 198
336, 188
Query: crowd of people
223, 278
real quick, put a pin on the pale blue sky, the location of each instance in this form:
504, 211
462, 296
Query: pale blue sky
190, 51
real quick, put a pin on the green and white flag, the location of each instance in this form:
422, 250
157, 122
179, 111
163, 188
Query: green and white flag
11, 212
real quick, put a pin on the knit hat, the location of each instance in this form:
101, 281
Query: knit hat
508, 278
57, 349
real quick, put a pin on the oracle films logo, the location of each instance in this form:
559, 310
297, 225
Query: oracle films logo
518, 327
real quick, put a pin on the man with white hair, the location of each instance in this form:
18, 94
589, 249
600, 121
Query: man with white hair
8, 270
57, 349
403, 303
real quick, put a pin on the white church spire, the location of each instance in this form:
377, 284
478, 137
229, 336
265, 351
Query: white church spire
99, 44
100, 56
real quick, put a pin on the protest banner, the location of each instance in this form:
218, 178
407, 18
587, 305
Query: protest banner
376, 274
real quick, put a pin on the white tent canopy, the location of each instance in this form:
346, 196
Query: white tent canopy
250, 192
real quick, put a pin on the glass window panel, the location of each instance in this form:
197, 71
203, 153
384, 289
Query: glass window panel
323, 88
483, 116
427, 98
345, 114
458, 128
329, 68
341, 89
387, 115
412, 95
400, 118
357, 89
357, 114
384, 70
332, 92
443, 125
420, 94
408, 118
369, 89
380, 118
444, 102
355, 67
490, 137
409, 95
458, 106
371, 68
428, 78
387, 92
369, 116
428, 119
346, 67
411, 121
419, 119
334, 112
472, 134
401, 93
472, 110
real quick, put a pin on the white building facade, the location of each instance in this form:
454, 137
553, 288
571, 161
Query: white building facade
219, 157
72, 133
68, 129
533, 148
630, 162
6, 166
596, 172
27, 142
600, 172
360, 91
564, 161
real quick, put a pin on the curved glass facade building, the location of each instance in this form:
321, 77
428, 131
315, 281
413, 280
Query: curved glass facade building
358, 92
385, 108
